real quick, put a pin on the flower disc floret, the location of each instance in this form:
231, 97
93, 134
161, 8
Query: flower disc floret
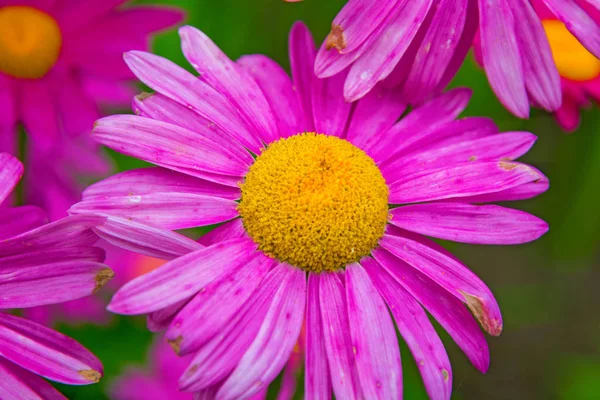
314, 201
573, 61
30, 42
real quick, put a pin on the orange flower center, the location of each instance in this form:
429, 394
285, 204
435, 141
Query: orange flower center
30, 41
573, 61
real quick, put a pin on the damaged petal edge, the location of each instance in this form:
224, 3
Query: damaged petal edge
102, 278
176, 344
479, 310
91, 375
335, 38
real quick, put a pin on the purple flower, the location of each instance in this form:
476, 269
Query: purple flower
61, 62
317, 229
43, 264
418, 45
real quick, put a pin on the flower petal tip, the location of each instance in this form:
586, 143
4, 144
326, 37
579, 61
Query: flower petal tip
91, 375
489, 323
103, 277
175, 344
335, 38
144, 95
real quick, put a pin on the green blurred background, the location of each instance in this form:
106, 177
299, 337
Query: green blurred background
550, 347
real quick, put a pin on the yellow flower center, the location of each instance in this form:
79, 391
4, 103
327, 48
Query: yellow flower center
573, 61
30, 41
314, 201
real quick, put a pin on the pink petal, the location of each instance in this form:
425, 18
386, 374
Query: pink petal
78, 14
11, 171
160, 320
382, 56
78, 111
500, 147
317, 384
330, 110
51, 256
464, 45
418, 124
174, 82
356, 21
279, 91
222, 353
374, 341
461, 181
451, 275
334, 61
521, 192
336, 336
68, 232
541, 76
274, 342
374, 114
50, 283
108, 91
447, 134
132, 23
302, 53
46, 352
230, 80
162, 108
416, 329
204, 316
166, 145
180, 278
467, 223
436, 50
144, 239
579, 22
289, 379
168, 210
567, 115
457, 131
157, 180
501, 56
39, 113
105, 66
454, 317
18, 384
229, 230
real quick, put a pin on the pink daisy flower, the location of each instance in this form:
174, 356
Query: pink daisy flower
43, 264
321, 230
61, 61
579, 69
419, 45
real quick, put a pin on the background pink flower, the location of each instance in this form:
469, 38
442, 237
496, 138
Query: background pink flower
578, 68
61, 65
419, 45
